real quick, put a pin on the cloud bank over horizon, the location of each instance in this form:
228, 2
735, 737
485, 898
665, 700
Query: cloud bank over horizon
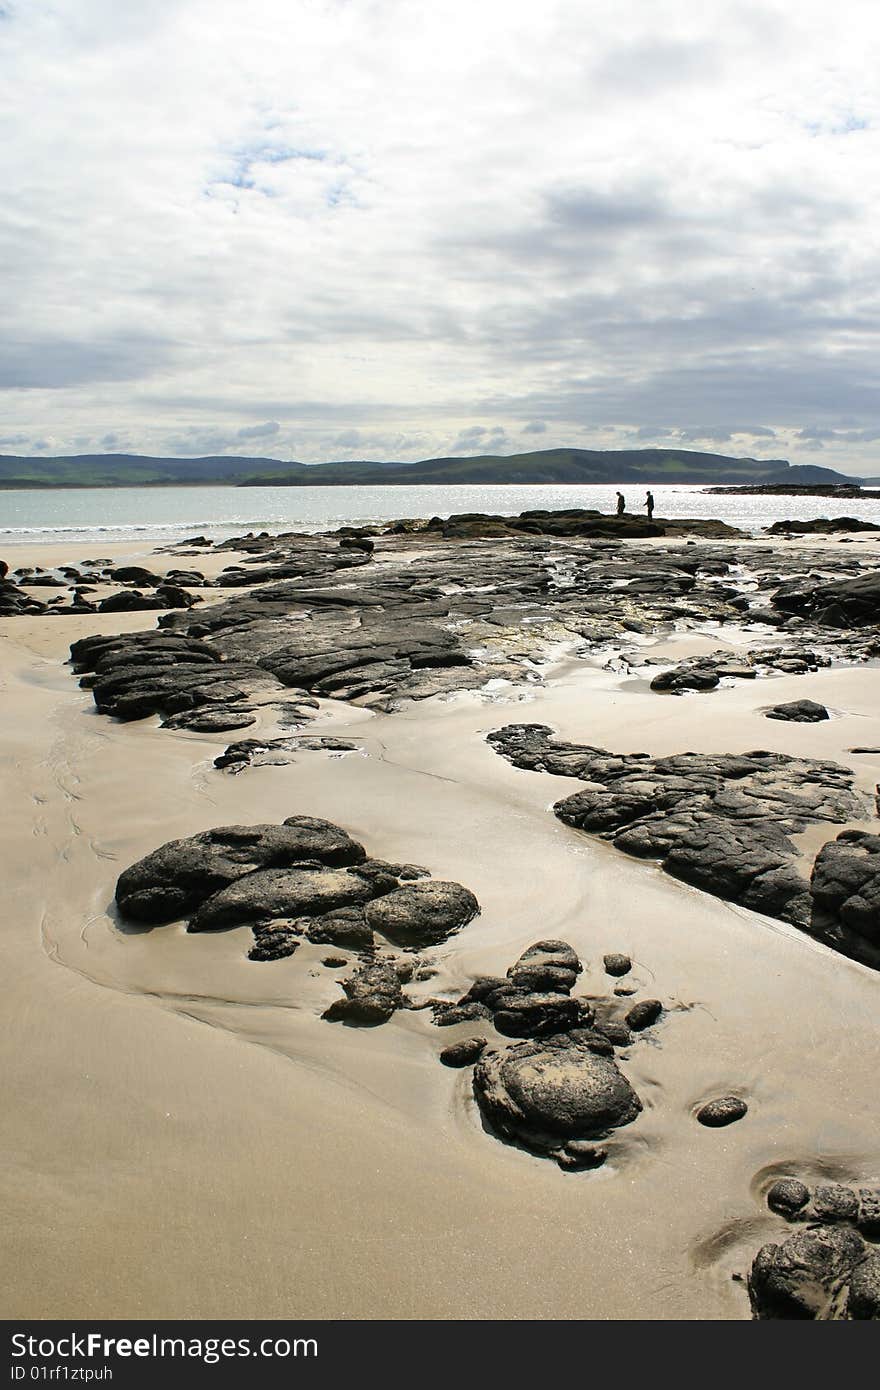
322, 229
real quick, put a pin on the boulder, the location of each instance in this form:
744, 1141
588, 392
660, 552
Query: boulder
461, 1054
798, 712
422, 914
371, 996
544, 1093
788, 1196
808, 1276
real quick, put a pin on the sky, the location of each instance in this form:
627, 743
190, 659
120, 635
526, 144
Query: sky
400, 229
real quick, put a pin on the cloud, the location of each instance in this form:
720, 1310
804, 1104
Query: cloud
617, 222
266, 431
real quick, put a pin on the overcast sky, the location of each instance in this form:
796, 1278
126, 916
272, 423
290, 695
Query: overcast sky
323, 229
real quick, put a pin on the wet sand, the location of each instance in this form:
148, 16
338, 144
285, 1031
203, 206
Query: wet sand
185, 1137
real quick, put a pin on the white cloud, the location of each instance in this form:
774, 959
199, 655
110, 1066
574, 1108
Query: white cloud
619, 221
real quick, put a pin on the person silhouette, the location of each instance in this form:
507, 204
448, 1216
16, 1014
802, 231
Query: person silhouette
649, 503
621, 504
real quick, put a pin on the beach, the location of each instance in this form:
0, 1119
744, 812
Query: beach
187, 1137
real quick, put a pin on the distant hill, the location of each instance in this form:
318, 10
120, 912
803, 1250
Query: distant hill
645, 467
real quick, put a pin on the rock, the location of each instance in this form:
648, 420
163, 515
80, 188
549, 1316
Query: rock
547, 967
617, 1033
135, 574
686, 678
347, 926
643, 1014
372, 995
579, 1154
447, 1014
268, 893
544, 1093
863, 1303
788, 1196
210, 721
538, 1015
723, 1111
806, 1277
272, 944
334, 962
461, 1054
845, 887
798, 712
182, 874
834, 1202
869, 1212
723, 823
128, 601
617, 964
422, 914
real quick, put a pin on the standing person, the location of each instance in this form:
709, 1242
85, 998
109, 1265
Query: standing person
649, 503
621, 504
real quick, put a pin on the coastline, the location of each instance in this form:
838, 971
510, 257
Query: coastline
188, 1138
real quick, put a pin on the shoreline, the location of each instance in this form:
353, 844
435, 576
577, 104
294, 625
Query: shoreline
190, 1139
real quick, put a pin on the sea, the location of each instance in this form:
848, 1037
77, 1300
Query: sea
169, 514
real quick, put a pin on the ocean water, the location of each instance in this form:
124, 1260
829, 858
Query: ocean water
158, 514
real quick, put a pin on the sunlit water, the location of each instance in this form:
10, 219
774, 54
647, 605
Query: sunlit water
171, 513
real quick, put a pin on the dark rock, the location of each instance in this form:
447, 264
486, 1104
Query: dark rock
128, 601
845, 886
268, 893
806, 1277
446, 1014
863, 1304
173, 596
372, 995
334, 962
579, 1154
723, 1111
210, 721
135, 574
834, 1202
538, 1015
798, 712
542, 1094
686, 678
616, 964
643, 1014
422, 914
724, 823
616, 1033
182, 874
272, 944
788, 1196
869, 1212
347, 926
461, 1054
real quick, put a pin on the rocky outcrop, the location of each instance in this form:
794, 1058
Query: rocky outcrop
182, 875
724, 824
845, 888
846, 603
304, 879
